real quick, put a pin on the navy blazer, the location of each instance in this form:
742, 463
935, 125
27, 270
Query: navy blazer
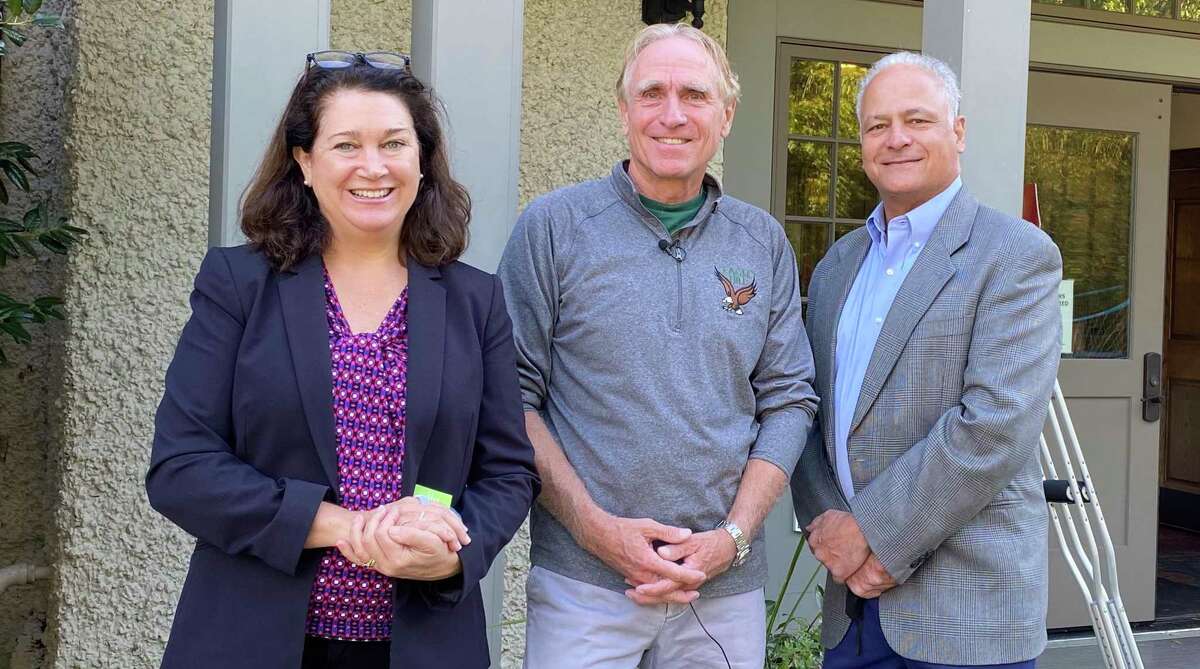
244, 453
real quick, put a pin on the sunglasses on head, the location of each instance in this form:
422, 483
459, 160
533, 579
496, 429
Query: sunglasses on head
381, 60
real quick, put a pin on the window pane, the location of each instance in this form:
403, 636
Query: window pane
1084, 181
1153, 7
809, 241
809, 167
856, 195
1110, 5
847, 119
1064, 3
842, 229
810, 103
1189, 10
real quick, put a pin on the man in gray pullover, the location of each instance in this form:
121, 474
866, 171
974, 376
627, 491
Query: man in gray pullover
666, 377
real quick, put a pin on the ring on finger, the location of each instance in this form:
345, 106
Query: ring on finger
369, 564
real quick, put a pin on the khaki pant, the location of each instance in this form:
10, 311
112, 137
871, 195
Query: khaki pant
574, 624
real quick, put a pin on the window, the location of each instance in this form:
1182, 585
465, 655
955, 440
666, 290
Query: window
1183, 10
1084, 183
824, 193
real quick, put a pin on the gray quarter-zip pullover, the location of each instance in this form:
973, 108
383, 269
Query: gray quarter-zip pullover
660, 371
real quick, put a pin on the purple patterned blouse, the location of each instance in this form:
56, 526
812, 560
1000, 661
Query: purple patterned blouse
370, 373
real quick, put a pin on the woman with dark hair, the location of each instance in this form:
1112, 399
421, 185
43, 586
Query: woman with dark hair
341, 428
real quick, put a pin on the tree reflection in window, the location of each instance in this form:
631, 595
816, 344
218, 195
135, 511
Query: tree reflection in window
826, 192
1085, 192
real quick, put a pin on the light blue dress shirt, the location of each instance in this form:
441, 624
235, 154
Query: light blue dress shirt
895, 245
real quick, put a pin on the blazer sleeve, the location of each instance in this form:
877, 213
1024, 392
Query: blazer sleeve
975, 449
502, 482
195, 478
814, 490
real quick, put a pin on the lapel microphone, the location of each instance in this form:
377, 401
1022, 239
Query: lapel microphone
672, 249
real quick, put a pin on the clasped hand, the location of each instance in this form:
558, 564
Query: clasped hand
407, 539
671, 573
837, 542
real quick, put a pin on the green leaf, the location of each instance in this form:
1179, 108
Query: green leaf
15, 149
13, 35
16, 331
25, 246
31, 6
50, 244
16, 175
12, 9
25, 164
36, 218
47, 20
3, 193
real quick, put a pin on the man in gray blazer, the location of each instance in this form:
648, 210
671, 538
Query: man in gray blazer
935, 332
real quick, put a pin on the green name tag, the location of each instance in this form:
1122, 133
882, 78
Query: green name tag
435, 496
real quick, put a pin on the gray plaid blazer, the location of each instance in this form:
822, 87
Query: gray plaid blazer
943, 444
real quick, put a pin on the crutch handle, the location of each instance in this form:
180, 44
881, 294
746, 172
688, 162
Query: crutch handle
1059, 491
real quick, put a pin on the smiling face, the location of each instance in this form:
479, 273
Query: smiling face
910, 144
364, 166
674, 118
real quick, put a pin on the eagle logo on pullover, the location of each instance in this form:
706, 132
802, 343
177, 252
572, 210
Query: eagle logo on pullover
736, 298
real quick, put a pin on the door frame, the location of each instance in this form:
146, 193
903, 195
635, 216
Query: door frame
1180, 159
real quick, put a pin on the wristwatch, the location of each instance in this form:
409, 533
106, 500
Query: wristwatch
739, 542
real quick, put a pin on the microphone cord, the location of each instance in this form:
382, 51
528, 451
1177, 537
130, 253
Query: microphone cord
714, 639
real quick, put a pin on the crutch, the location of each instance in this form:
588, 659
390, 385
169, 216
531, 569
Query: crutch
1073, 501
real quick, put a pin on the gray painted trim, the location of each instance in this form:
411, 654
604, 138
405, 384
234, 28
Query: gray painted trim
748, 149
258, 52
987, 44
470, 52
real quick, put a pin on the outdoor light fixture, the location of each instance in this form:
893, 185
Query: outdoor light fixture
671, 11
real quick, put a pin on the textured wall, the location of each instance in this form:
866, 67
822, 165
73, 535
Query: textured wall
370, 25
31, 94
137, 146
570, 132
573, 53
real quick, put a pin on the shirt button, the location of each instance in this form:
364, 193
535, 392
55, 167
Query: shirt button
891, 272
878, 320
916, 245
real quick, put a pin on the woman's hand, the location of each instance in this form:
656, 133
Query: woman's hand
399, 551
440, 520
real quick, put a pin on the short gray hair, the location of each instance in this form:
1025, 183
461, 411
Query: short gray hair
939, 69
727, 82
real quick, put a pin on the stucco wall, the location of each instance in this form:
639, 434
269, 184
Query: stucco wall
137, 145
569, 126
370, 25
32, 82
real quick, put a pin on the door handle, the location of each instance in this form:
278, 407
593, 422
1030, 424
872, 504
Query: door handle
1152, 399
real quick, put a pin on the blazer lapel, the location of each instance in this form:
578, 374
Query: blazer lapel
841, 278
302, 295
426, 348
925, 280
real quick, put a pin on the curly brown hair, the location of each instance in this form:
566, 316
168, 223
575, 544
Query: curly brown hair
280, 215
